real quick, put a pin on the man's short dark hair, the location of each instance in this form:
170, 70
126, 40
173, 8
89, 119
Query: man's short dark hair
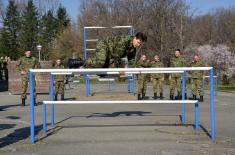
141, 36
178, 50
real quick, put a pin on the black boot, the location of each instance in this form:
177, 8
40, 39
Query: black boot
143, 96
177, 97
201, 99
161, 96
62, 97
138, 97
171, 97
35, 103
23, 102
194, 97
155, 96
55, 99
186, 96
180, 97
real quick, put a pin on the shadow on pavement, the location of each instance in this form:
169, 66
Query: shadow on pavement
2, 108
6, 126
18, 135
116, 114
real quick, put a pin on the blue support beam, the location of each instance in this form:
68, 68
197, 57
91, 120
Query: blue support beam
183, 98
196, 115
31, 91
52, 99
133, 84
212, 110
44, 119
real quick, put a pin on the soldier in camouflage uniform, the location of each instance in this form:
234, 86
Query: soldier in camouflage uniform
110, 51
59, 81
23, 65
157, 79
1, 68
142, 78
197, 78
175, 78
4, 69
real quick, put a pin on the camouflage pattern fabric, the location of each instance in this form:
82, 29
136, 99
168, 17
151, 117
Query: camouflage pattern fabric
175, 82
4, 71
197, 78
197, 87
110, 51
59, 82
24, 64
157, 85
142, 78
157, 79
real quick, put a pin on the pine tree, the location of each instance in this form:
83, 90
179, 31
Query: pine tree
30, 28
9, 42
48, 33
63, 19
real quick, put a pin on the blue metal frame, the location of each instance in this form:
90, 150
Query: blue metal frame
196, 115
133, 84
44, 118
31, 89
52, 99
212, 112
183, 97
128, 84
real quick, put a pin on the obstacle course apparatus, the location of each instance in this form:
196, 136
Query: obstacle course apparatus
118, 70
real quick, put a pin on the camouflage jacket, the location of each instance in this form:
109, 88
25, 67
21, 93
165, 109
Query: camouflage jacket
143, 64
115, 48
157, 64
59, 77
178, 62
26, 63
197, 74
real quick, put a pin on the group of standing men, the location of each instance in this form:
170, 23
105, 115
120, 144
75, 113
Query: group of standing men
109, 53
175, 78
28, 62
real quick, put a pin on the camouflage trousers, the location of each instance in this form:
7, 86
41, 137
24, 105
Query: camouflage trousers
175, 83
25, 85
142, 83
157, 85
59, 87
197, 86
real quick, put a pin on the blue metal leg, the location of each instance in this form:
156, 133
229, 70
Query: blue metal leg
52, 99
31, 91
183, 97
128, 84
87, 84
44, 119
196, 116
133, 84
212, 112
